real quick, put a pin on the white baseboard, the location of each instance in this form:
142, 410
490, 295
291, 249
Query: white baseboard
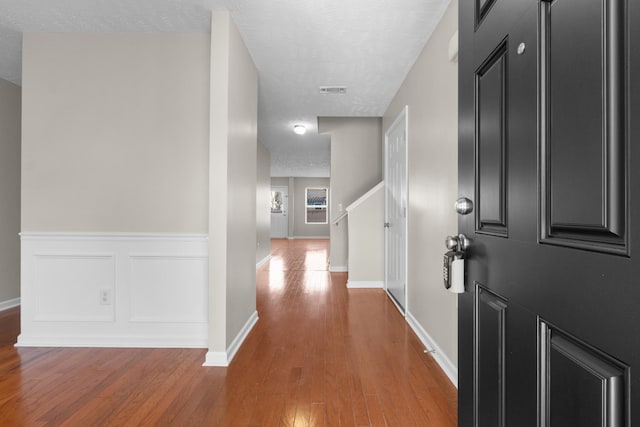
223, 359
242, 335
338, 268
401, 309
114, 290
263, 261
361, 284
445, 363
216, 358
6, 305
117, 341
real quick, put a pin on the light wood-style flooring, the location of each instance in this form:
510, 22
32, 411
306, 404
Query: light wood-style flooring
320, 355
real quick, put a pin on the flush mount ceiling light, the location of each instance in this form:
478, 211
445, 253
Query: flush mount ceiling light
299, 129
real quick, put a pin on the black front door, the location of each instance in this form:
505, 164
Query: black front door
549, 154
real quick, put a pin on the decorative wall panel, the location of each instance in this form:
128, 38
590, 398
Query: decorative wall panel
69, 287
168, 288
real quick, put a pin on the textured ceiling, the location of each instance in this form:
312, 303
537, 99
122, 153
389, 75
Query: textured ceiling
297, 45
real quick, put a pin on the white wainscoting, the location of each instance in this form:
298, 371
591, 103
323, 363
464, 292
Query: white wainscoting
114, 290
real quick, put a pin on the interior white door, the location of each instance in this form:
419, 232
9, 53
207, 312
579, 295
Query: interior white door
279, 212
396, 210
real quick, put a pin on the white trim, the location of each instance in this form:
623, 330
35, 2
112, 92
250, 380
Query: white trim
338, 269
263, 261
242, 336
308, 237
11, 303
216, 358
401, 310
223, 359
115, 341
74, 236
445, 363
365, 196
362, 284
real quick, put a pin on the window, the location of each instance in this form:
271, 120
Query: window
316, 199
276, 201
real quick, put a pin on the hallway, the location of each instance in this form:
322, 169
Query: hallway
344, 357
320, 355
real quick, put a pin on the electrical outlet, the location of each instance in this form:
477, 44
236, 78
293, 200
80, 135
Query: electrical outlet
105, 296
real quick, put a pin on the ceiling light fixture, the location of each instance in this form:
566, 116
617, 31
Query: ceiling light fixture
299, 129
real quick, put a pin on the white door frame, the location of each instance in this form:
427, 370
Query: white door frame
402, 116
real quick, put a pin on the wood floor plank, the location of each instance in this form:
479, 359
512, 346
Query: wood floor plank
165, 386
318, 415
320, 355
376, 417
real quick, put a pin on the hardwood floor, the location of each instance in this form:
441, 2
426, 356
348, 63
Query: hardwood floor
320, 355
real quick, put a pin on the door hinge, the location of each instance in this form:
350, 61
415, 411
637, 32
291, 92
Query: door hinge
386, 225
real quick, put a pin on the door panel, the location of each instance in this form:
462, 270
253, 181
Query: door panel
490, 354
491, 86
548, 113
586, 208
564, 94
579, 386
396, 210
482, 9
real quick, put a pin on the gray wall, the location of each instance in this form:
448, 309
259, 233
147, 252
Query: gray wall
431, 92
10, 105
296, 186
263, 203
356, 167
115, 132
233, 163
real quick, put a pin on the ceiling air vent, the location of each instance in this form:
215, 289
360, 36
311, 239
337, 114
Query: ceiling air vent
333, 90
